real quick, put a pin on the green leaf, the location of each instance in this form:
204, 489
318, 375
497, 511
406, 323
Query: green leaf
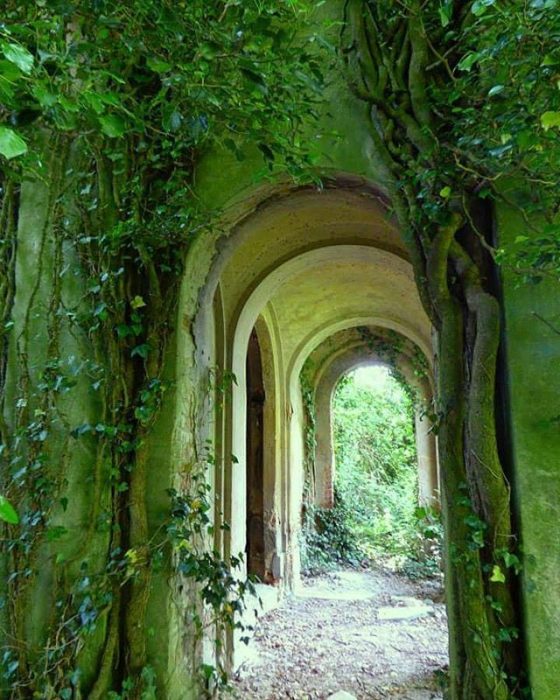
11, 145
44, 96
511, 560
550, 60
158, 66
468, 61
445, 192
479, 7
171, 119
496, 90
55, 533
18, 55
141, 351
112, 125
497, 575
550, 119
7, 512
445, 12
137, 302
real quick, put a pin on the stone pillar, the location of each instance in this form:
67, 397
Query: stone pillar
426, 449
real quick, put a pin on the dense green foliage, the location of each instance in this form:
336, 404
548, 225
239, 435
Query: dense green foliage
376, 517
169, 76
376, 470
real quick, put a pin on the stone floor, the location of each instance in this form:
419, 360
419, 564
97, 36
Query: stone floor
370, 634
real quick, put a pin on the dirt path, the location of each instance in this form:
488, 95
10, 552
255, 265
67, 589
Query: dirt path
372, 634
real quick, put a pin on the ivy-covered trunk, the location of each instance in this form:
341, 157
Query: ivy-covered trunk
445, 216
78, 395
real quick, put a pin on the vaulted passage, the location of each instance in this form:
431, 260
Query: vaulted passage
371, 593
306, 289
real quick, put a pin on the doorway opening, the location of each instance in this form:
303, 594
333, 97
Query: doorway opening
255, 549
376, 473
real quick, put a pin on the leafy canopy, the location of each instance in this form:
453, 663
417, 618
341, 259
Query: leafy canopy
174, 75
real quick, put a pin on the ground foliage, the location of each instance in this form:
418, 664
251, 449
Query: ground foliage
110, 106
376, 465
463, 101
376, 518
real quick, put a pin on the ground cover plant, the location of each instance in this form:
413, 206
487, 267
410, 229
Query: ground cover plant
376, 518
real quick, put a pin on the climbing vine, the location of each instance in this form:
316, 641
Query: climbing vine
106, 109
462, 103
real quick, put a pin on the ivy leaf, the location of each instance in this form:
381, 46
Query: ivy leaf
497, 575
496, 90
445, 13
207, 671
137, 302
7, 512
44, 96
255, 78
479, 7
141, 351
55, 533
11, 145
550, 119
18, 55
511, 560
549, 60
172, 119
468, 61
112, 125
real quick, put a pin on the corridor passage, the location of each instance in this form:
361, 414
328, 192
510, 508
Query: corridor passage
372, 634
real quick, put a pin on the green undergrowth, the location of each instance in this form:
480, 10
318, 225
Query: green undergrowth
375, 518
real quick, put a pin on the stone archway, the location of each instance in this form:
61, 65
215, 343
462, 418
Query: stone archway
345, 351
321, 262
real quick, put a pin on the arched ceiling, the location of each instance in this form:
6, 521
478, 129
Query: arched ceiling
318, 262
289, 226
355, 283
346, 350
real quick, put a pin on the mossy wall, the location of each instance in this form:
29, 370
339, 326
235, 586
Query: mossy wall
532, 375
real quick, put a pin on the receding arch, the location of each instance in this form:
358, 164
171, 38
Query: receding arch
349, 351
